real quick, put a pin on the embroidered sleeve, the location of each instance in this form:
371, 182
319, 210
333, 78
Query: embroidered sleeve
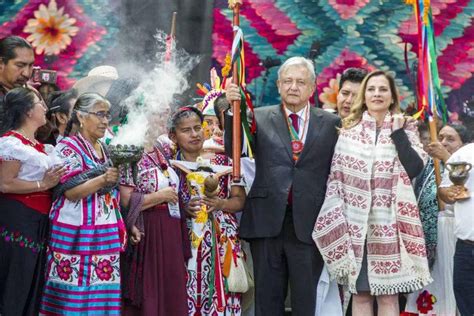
11, 149
71, 160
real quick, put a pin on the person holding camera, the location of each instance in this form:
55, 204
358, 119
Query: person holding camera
27, 172
16, 63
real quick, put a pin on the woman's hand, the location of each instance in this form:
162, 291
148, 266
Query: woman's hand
398, 121
110, 176
52, 176
213, 203
135, 235
193, 206
167, 195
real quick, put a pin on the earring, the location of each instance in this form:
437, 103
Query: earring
81, 125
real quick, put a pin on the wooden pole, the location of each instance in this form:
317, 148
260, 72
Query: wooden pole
236, 120
170, 39
434, 138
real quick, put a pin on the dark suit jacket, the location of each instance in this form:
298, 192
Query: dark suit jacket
276, 172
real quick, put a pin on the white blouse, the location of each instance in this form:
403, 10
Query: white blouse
34, 164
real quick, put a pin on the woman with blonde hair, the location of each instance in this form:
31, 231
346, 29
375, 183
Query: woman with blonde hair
369, 230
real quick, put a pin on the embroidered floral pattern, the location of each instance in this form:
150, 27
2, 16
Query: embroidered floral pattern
105, 269
51, 30
64, 268
22, 241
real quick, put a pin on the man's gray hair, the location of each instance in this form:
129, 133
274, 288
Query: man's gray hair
298, 61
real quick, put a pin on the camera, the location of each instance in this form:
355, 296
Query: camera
44, 75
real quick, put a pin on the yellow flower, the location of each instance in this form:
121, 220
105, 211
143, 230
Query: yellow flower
51, 29
226, 69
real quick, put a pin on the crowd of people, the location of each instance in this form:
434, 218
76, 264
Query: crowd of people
342, 212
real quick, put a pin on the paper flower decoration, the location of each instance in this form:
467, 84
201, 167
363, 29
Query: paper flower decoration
51, 29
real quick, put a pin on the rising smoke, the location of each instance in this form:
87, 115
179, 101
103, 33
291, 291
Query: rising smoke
150, 104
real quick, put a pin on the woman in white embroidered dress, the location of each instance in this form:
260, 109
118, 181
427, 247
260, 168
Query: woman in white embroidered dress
214, 246
26, 175
369, 230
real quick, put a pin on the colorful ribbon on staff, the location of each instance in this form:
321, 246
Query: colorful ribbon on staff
429, 94
246, 106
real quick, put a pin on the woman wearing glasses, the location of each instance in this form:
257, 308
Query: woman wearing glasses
26, 175
87, 231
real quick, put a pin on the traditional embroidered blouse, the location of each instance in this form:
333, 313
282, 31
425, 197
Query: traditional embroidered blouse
34, 162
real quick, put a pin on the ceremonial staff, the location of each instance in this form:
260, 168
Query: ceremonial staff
429, 95
236, 120
243, 122
170, 44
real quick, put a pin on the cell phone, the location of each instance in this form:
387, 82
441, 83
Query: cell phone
44, 75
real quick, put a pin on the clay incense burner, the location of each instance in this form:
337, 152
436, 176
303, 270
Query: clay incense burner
127, 156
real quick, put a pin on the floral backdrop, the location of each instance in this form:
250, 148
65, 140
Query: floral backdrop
70, 36
349, 33
73, 36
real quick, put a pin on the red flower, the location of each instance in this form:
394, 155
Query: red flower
64, 269
104, 270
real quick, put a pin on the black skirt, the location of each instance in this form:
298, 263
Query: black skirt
23, 232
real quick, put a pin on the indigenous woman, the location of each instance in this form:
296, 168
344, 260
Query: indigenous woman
87, 231
451, 138
26, 175
369, 230
206, 284
154, 267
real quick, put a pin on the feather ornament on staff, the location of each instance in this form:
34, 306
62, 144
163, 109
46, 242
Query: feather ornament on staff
243, 126
430, 98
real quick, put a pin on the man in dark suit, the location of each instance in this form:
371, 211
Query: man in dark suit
293, 148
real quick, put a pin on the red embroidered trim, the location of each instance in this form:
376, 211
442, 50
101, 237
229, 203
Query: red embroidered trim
38, 146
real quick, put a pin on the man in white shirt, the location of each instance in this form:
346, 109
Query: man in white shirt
463, 277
